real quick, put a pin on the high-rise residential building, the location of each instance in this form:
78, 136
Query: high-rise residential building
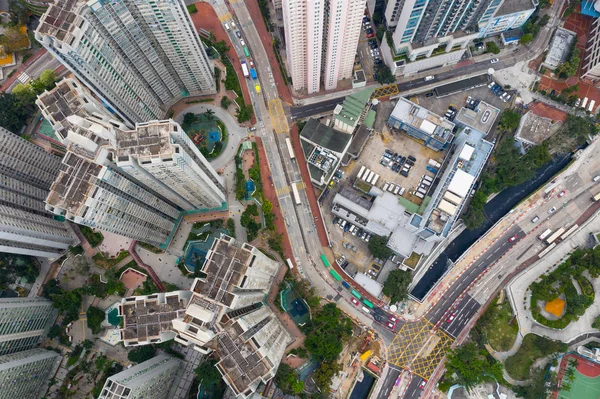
226, 315
224, 312
591, 61
138, 57
26, 174
132, 182
162, 156
155, 378
24, 322
26, 374
503, 15
321, 39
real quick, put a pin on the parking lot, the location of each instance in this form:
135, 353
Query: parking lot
352, 247
365, 47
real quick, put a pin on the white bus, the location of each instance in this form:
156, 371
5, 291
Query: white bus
569, 232
289, 147
555, 235
545, 251
545, 234
360, 172
591, 106
374, 181
290, 264
370, 177
366, 174
296, 195
584, 102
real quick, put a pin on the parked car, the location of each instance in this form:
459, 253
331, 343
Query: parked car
430, 94
562, 193
535, 219
390, 326
552, 210
422, 384
354, 301
494, 60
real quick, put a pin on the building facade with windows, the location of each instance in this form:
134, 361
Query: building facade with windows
505, 15
26, 374
139, 58
26, 174
321, 40
155, 378
24, 322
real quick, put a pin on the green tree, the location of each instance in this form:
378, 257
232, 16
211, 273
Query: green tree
470, 366
210, 378
526, 39
380, 32
384, 74
377, 18
48, 79
244, 112
95, 317
378, 247
13, 114
324, 373
544, 19
596, 323
509, 120
396, 285
141, 354
536, 389
326, 333
287, 381
492, 47
231, 227
54, 331
225, 102
24, 94
189, 118
209, 114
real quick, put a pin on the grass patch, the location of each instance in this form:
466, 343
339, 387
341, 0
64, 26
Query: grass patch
105, 262
93, 237
192, 9
413, 260
533, 348
500, 334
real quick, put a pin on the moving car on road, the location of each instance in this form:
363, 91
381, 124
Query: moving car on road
494, 60
562, 193
354, 301
422, 384
513, 238
452, 315
552, 210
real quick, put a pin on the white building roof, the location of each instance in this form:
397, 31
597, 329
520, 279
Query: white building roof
372, 286
452, 198
427, 127
466, 153
461, 183
447, 207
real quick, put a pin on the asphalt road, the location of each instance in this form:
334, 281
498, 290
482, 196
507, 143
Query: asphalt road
390, 380
413, 391
492, 255
466, 308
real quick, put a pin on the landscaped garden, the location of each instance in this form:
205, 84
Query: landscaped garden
532, 348
207, 132
93, 237
562, 296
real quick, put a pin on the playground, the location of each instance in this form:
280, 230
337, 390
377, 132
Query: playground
586, 384
207, 132
295, 306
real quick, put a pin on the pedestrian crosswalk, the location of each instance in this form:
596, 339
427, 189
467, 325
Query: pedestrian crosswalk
281, 191
225, 17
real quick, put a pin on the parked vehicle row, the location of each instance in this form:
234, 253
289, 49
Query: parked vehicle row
352, 229
497, 89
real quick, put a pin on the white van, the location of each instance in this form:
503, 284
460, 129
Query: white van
401, 191
396, 190
596, 178
233, 24
343, 224
385, 186
226, 26
391, 187
428, 78
366, 310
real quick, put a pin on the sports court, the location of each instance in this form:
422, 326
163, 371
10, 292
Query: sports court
586, 384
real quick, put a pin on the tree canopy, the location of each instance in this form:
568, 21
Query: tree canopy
210, 378
141, 354
378, 247
12, 113
396, 285
492, 47
95, 317
287, 380
471, 366
326, 332
384, 74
